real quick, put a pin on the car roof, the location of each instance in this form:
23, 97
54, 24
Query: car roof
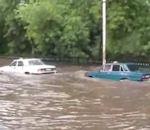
118, 63
26, 59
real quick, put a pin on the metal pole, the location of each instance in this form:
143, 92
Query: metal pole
104, 32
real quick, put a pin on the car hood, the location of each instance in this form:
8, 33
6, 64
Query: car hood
4, 67
142, 72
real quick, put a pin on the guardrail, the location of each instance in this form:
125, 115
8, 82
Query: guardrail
71, 60
74, 60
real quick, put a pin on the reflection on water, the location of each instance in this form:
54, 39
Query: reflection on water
69, 101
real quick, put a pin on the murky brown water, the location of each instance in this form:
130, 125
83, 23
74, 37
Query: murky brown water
70, 101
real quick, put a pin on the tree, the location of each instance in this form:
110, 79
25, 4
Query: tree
58, 27
12, 35
128, 21
72, 28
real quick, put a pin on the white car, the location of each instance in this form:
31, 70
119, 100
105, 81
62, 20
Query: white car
28, 66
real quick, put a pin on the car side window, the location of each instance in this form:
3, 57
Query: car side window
20, 63
13, 63
107, 68
116, 68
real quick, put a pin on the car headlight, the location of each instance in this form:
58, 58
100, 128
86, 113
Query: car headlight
146, 76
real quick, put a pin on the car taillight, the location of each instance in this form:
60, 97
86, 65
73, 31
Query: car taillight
53, 69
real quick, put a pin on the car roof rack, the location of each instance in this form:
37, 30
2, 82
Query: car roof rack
115, 62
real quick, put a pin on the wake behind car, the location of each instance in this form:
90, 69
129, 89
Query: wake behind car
28, 66
122, 71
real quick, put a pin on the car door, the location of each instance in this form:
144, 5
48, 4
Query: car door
105, 73
19, 67
117, 72
12, 66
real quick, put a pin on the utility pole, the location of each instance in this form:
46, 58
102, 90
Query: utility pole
104, 32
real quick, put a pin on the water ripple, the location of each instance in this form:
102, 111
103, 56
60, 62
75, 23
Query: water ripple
68, 102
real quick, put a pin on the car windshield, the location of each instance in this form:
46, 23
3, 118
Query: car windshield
135, 67
35, 62
14, 63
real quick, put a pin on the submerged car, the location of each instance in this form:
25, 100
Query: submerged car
122, 71
28, 66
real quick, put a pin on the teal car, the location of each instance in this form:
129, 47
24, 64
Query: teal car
122, 71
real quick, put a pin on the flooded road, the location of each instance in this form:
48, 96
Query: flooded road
70, 101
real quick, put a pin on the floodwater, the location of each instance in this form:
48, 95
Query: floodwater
70, 101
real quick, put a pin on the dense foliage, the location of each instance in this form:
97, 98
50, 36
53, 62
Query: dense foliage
72, 28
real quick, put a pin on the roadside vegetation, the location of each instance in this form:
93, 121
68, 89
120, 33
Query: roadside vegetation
72, 28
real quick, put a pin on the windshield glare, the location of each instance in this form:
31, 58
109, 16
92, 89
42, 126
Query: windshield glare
35, 62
